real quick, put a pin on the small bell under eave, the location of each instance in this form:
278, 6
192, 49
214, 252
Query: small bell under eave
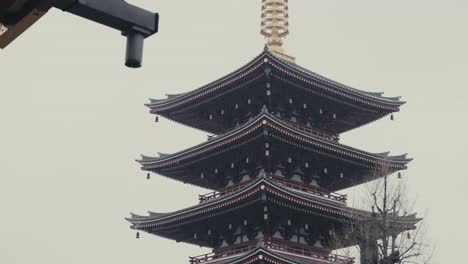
408, 235
156, 119
392, 117
399, 175
148, 176
138, 235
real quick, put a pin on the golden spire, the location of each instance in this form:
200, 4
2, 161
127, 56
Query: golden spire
275, 26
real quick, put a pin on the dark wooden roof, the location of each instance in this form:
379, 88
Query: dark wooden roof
229, 203
278, 130
175, 225
254, 187
183, 108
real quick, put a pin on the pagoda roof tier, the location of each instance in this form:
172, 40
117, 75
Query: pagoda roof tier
269, 80
271, 251
198, 224
267, 139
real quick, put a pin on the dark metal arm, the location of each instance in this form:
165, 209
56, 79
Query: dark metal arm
16, 16
134, 23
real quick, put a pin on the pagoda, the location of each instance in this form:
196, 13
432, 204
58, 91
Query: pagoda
274, 162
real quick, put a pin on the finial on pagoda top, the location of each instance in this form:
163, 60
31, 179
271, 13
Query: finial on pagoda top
275, 26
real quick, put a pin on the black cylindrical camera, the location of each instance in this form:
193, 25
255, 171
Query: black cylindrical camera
134, 56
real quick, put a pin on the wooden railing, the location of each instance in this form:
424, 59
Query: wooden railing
310, 130
310, 189
287, 183
225, 253
304, 250
216, 194
273, 244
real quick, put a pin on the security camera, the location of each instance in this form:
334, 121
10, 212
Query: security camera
16, 16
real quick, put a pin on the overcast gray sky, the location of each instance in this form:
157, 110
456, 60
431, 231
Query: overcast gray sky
73, 120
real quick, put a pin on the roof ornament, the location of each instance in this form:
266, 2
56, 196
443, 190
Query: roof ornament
262, 174
275, 26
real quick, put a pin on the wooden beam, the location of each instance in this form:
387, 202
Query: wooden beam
8, 33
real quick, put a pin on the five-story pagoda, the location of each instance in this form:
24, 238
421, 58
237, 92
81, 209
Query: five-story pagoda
275, 163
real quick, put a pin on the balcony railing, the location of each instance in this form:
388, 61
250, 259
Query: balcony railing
285, 182
311, 130
306, 251
225, 253
280, 246
212, 195
310, 189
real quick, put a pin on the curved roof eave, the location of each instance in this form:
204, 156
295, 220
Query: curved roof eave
378, 97
157, 216
266, 183
135, 219
320, 201
264, 114
370, 95
155, 102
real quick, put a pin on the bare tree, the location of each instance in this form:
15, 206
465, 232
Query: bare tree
390, 232
399, 234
